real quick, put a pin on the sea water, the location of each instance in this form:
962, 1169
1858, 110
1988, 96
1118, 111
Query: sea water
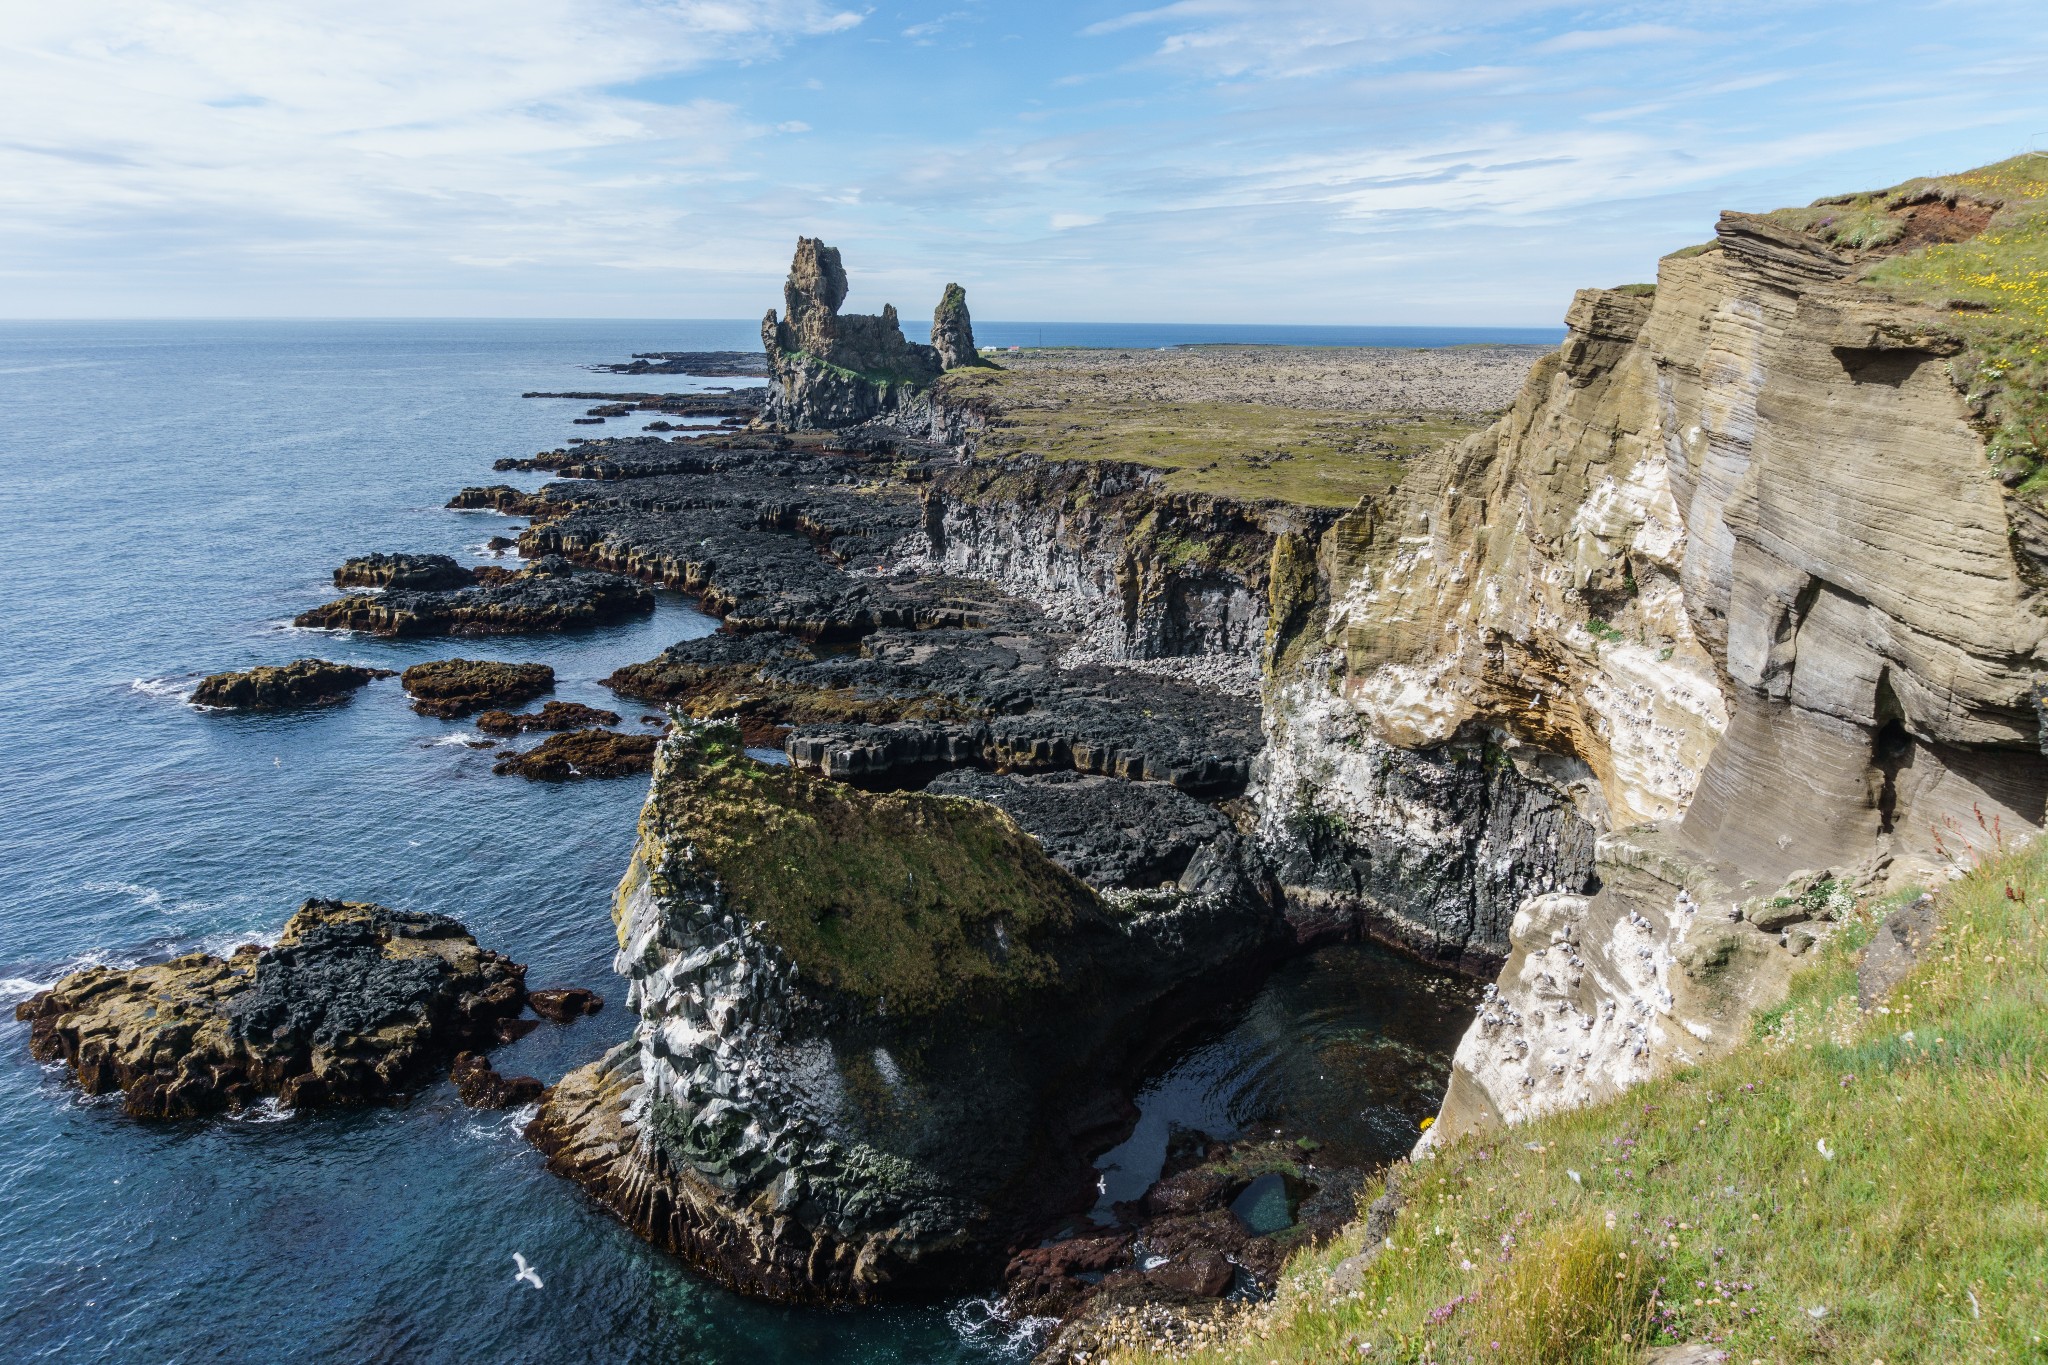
176, 493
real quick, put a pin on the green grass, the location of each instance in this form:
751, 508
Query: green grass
1315, 457
919, 901
2002, 275
1921, 1236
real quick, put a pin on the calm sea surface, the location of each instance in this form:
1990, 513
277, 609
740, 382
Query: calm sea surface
177, 492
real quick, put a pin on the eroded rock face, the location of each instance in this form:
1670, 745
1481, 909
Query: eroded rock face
354, 1005
549, 594
878, 1033
1737, 557
953, 331
303, 682
838, 370
456, 687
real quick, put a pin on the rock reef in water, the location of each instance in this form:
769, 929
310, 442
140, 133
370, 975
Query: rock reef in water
554, 715
879, 1034
354, 1005
433, 573
580, 754
456, 687
550, 594
830, 369
267, 687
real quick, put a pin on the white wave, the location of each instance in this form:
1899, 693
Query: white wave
224, 943
464, 737
13, 988
983, 1322
511, 1124
269, 1109
179, 689
147, 896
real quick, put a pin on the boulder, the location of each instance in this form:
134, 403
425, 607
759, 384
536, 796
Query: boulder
456, 687
481, 1086
430, 572
563, 1003
354, 1005
304, 682
579, 754
554, 715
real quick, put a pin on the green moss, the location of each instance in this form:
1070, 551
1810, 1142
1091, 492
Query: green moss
1640, 291
909, 901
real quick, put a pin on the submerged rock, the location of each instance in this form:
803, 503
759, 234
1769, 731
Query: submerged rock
304, 682
563, 1003
482, 1086
456, 687
878, 1034
432, 572
354, 1005
550, 594
579, 754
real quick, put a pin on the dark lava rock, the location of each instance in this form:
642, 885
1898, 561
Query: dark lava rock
304, 682
580, 754
888, 1029
1183, 1243
481, 1086
1106, 831
497, 545
709, 364
354, 1004
456, 687
563, 1003
550, 594
554, 715
502, 497
431, 572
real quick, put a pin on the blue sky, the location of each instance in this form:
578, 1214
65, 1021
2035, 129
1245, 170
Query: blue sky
1308, 161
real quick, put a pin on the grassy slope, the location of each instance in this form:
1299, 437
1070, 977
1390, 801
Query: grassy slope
916, 900
1247, 450
1924, 1237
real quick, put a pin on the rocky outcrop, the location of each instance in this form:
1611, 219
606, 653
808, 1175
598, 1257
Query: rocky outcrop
878, 1034
1109, 832
581, 754
830, 369
554, 715
456, 687
354, 1005
481, 1086
549, 594
953, 331
432, 573
1733, 584
303, 682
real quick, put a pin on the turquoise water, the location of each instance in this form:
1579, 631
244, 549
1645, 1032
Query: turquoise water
177, 491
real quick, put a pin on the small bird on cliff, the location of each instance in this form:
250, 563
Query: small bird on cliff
526, 1272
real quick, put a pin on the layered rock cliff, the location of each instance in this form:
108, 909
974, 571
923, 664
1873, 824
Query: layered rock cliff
1737, 579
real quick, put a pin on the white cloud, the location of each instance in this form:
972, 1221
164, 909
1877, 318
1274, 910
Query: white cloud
1062, 221
1634, 35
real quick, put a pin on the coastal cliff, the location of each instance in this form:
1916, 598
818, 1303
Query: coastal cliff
878, 1035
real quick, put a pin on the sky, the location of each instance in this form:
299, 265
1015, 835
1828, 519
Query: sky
1449, 162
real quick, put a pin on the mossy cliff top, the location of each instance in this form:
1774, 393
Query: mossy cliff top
1976, 245
911, 902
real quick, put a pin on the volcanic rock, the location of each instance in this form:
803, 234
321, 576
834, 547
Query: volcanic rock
563, 1003
431, 572
953, 331
456, 687
266, 687
554, 715
355, 1004
549, 594
481, 1086
878, 1034
579, 754
831, 370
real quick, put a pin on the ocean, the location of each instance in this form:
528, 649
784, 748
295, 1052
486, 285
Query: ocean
181, 490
